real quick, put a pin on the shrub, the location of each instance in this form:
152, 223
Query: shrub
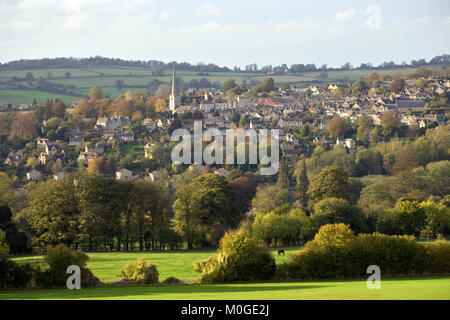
141, 272
172, 280
239, 258
335, 253
4, 249
57, 259
438, 257
15, 275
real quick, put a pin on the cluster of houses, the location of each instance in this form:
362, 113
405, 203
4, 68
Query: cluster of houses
283, 110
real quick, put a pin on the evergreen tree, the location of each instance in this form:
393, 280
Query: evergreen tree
303, 184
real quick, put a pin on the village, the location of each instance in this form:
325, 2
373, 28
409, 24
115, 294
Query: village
297, 112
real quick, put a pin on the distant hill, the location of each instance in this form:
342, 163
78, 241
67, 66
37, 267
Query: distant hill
19, 85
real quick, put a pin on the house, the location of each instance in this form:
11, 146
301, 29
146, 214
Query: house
97, 148
14, 157
149, 124
347, 143
154, 175
243, 102
423, 123
404, 105
292, 139
163, 123
221, 172
124, 174
290, 123
33, 175
126, 136
408, 119
53, 149
43, 158
76, 140
256, 124
42, 143
107, 134
206, 107
198, 168
87, 157
58, 176
115, 123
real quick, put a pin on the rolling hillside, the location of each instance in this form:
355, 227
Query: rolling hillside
81, 80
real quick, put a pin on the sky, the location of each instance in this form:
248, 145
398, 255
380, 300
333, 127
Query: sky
228, 33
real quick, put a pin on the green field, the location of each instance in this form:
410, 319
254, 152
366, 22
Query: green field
429, 288
16, 97
85, 78
107, 266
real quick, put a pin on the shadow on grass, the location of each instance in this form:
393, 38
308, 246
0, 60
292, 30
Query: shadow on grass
137, 292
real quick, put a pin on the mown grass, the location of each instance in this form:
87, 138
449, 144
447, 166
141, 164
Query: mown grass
107, 266
427, 288
27, 96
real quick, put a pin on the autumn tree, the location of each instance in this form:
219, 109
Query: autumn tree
405, 159
338, 127
96, 93
268, 198
373, 77
58, 109
397, 85
228, 85
24, 126
245, 189
359, 87
160, 105
390, 120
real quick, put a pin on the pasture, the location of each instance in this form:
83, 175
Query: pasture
426, 288
82, 79
107, 266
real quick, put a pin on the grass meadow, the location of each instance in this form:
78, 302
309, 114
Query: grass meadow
85, 78
107, 266
408, 288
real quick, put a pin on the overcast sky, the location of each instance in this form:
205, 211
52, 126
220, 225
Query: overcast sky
227, 32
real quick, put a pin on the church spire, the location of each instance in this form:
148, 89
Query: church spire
174, 99
174, 86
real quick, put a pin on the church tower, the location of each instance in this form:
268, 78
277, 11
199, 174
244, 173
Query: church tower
174, 98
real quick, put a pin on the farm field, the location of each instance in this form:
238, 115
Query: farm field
16, 97
426, 288
85, 78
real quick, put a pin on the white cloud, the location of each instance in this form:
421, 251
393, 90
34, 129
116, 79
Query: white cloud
208, 10
140, 29
345, 15
164, 15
